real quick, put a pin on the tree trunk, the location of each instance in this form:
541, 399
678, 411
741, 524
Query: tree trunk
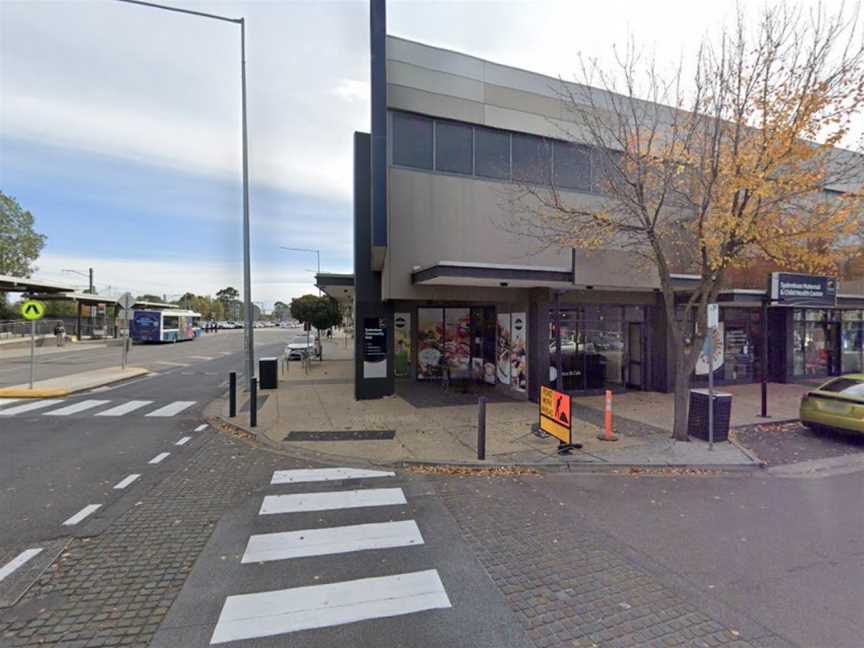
682, 396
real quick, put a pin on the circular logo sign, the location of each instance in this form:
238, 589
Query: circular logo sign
32, 309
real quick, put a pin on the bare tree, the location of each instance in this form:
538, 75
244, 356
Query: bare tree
706, 172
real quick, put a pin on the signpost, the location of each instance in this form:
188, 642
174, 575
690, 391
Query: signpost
556, 419
32, 310
126, 302
713, 320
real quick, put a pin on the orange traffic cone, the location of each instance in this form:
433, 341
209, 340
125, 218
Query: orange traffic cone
607, 434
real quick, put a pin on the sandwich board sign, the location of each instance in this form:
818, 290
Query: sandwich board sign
555, 416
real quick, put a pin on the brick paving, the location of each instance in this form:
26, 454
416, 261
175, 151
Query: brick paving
115, 589
571, 585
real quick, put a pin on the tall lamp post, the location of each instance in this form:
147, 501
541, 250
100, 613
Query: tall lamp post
317, 254
247, 278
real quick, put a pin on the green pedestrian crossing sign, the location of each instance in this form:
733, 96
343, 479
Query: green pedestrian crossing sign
32, 309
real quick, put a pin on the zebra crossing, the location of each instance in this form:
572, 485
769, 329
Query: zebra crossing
252, 616
10, 407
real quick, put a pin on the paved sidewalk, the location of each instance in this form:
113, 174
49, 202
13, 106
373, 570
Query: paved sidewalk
315, 413
65, 385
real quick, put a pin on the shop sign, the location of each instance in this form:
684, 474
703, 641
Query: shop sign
374, 348
555, 414
791, 288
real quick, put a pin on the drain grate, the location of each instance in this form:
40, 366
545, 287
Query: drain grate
341, 435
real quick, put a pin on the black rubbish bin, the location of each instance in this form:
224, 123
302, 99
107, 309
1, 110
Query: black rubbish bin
697, 419
268, 373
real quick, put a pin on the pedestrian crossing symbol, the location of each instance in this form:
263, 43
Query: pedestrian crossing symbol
32, 309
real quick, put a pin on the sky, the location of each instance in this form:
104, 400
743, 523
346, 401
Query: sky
120, 124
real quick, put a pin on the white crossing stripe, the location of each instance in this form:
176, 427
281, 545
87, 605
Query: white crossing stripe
29, 407
330, 500
172, 364
265, 614
159, 458
183, 441
83, 513
226, 352
324, 474
202, 357
125, 482
9, 401
171, 409
74, 408
125, 408
18, 561
200, 428
332, 540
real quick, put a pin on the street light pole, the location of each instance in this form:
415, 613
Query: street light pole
317, 254
247, 271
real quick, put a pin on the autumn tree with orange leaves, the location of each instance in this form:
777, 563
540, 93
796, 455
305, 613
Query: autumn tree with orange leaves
741, 162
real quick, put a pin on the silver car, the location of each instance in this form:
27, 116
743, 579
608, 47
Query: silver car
301, 345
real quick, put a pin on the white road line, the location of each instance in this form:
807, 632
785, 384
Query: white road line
172, 408
331, 500
125, 408
125, 482
200, 428
83, 513
29, 407
183, 441
332, 540
18, 561
74, 408
201, 357
226, 352
8, 401
324, 474
159, 458
265, 614
172, 364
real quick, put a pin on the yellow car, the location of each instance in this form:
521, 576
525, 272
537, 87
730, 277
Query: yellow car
838, 403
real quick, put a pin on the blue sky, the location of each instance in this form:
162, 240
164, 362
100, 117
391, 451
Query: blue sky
119, 125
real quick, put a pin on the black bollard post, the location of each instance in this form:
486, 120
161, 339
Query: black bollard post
232, 394
253, 402
481, 429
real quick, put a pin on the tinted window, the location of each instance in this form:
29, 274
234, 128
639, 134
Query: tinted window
412, 141
605, 167
845, 386
454, 148
531, 159
572, 166
492, 158
170, 322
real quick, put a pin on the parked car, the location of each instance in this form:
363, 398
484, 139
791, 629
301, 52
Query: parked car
838, 404
299, 345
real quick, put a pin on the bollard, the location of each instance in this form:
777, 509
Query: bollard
253, 402
481, 429
232, 394
607, 434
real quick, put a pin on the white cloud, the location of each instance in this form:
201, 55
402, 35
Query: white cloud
352, 90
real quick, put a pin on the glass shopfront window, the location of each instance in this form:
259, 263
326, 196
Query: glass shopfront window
601, 346
816, 343
852, 341
742, 345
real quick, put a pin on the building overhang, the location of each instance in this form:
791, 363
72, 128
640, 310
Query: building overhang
9, 283
338, 286
457, 273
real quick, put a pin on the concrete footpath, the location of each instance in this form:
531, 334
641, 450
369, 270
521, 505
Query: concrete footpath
315, 415
72, 383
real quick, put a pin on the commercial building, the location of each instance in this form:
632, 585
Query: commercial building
442, 284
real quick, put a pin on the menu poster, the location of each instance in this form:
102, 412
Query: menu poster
518, 352
457, 344
402, 344
430, 342
502, 348
374, 348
